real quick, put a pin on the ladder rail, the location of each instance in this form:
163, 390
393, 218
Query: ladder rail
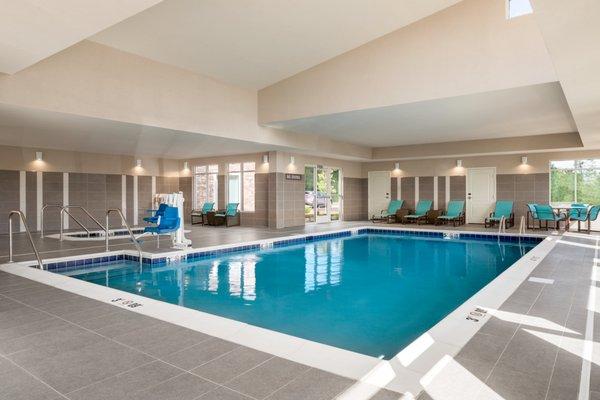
64, 210
124, 221
10, 237
86, 212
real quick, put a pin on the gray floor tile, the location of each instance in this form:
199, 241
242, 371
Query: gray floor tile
131, 322
384, 394
267, 378
201, 353
231, 364
484, 348
20, 316
529, 354
69, 306
223, 393
162, 340
72, 370
500, 328
127, 383
480, 369
313, 384
594, 395
182, 387
82, 316
16, 384
31, 328
516, 385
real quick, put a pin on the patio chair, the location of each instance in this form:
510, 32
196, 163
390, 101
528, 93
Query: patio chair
206, 208
504, 208
387, 215
454, 214
531, 215
546, 213
589, 216
420, 214
228, 217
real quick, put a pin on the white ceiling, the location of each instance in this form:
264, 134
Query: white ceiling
31, 30
524, 111
257, 43
44, 129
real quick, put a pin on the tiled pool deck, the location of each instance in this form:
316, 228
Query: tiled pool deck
56, 345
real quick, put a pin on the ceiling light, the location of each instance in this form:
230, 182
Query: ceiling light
459, 163
38, 156
524, 160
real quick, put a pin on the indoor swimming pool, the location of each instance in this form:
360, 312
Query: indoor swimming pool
370, 293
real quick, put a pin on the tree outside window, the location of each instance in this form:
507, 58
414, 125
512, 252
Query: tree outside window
241, 185
575, 181
206, 185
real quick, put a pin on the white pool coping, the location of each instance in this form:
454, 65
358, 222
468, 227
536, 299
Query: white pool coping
402, 374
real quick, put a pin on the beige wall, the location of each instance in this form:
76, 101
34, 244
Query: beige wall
23, 159
505, 164
467, 48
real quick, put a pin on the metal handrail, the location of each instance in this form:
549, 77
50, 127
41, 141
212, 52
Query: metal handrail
42, 216
502, 227
521, 228
66, 208
10, 237
133, 239
63, 211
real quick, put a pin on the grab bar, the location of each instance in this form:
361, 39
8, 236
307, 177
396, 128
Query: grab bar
502, 227
521, 228
65, 208
10, 237
133, 239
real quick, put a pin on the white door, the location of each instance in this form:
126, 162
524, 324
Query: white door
481, 193
380, 184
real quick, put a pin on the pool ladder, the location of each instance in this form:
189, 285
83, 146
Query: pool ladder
124, 221
10, 237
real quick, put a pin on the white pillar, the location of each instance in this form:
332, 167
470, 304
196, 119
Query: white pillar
124, 195
399, 187
22, 197
135, 200
447, 189
39, 198
435, 192
416, 190
65, 198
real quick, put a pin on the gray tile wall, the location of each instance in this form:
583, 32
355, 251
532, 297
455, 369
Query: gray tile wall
285, 201
222, 202
114, 188
145, 197
356, 197
52, 193
426, 188
407, 187
9, 193
442, 192
523, 189
393, 190
167, 184
458, 187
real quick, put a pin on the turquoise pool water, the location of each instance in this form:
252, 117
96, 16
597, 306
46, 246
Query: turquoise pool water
372, 294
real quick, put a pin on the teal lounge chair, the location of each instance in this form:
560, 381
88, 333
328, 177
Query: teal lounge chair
455, 213
390, 213
546, 213
531, 215
421, 211
504, 208
589, 216
206, 208
228, 217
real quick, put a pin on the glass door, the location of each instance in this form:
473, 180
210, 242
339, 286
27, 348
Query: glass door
322, 194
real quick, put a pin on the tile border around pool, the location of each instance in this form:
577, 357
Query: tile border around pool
407, 369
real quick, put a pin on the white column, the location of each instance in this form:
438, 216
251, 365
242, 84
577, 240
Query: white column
65, 198
153, 190
22, 197
435, 192
416, 190
124, 195
135, 200
39, 199
447, 189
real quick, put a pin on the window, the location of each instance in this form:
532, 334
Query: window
206, 185
575, 181
240, 185
516, 8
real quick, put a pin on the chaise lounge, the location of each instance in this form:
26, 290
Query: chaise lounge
504, 209
391, 212
420, 214
454, 214
228, 217
206, 208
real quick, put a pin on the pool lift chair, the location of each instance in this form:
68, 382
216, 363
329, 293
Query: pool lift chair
171, 222
168, 223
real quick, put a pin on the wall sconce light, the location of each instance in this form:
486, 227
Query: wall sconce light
459, 163
138, 163
38, 156
186, 166
524, 160
396, 166
292, 160
265, 158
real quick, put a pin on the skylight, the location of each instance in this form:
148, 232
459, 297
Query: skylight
516, 8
